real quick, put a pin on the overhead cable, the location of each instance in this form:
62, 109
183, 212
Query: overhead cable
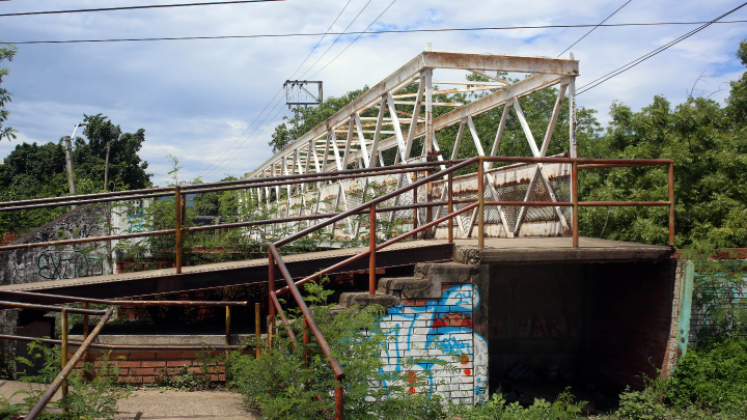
356, 38
117, 9
390, 31
337, 39
645, 57
595, 27
230, 148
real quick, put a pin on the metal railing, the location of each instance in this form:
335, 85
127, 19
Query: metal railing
276, 259
68, 366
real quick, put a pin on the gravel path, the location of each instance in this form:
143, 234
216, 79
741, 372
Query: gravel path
157, 404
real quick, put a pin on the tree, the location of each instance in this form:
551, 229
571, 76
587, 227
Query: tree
709, 146
126, 169
6, 53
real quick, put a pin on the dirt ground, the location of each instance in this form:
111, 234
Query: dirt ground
156, 404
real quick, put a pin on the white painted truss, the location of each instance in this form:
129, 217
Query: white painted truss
348, 140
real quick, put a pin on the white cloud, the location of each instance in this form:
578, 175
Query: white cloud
196, 98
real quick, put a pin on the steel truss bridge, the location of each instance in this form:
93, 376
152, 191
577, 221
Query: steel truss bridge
350, 140
320, 165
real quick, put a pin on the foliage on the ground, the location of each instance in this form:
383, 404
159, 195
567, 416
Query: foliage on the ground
86, 399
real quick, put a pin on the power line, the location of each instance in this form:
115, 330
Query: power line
273, 98
225, 150
645, 57
356, 38
595, 27
239, 152
392, 31
337, 39
115, 9
322, 38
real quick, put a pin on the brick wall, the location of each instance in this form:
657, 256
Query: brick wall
437, 328
147, 368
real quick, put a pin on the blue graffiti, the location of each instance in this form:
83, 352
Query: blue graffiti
441, 329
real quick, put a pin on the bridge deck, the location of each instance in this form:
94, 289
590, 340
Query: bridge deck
497, 250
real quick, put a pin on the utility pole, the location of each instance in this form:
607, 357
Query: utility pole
69, 157
106, 167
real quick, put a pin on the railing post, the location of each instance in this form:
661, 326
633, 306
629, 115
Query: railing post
574, 197
372, 250
671, 204
271, 310
257, 327
85, 331
428, 210
178, 233
228, 326
339, 406
306, 341
63, 350
481, 206
415, 201
451, 206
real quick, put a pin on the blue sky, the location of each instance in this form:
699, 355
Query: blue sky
196, 98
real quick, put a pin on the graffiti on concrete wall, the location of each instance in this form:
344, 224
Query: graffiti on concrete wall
442, 329
549, 326
58, 265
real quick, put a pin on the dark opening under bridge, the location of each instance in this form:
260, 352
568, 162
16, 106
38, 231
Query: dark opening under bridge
485, 211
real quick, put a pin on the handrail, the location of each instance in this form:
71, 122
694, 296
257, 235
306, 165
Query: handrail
151, 347
68, 366
68, 369
46, 297
275, 258
339, 374
198, 188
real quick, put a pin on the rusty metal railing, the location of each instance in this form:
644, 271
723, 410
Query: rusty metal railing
292, 286
274, 258
68, 366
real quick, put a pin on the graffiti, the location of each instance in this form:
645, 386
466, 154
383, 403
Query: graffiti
58, 265
441, 329
555, 326
135, 217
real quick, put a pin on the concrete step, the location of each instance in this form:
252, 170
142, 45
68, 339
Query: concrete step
410, 288
449, 272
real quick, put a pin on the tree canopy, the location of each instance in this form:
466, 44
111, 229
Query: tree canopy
6, 53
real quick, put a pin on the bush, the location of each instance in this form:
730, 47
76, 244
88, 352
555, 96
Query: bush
713, 377
85, 400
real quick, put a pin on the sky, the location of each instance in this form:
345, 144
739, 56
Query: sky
202, 101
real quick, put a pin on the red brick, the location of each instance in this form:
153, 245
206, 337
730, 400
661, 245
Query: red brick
189, 355
131, 379
141, 356
126, 364
143, 371
118, 355
147, 363
179, 363
151, 379
169, 355
218, 378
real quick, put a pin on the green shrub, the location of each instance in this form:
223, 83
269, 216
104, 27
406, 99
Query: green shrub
96, 398
712, 378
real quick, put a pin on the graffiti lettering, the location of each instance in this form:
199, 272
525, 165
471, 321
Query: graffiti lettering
550, 326
58, 265
440, 329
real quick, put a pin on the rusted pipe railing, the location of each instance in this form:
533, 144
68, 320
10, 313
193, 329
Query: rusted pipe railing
178, 233
41, 298
339, 374
138, 347
372, 251
65, 372
257, 328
